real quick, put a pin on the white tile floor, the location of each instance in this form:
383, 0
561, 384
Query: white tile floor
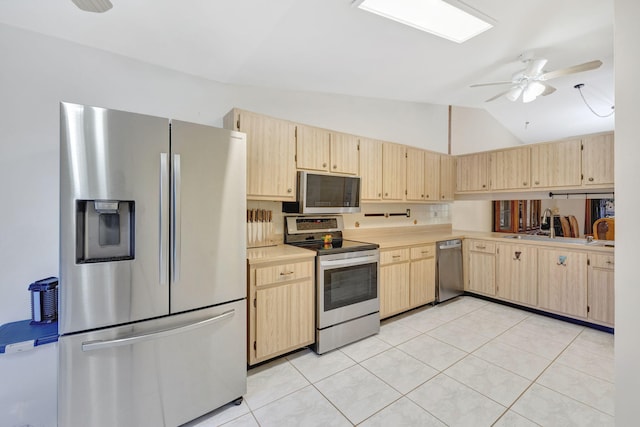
467, 362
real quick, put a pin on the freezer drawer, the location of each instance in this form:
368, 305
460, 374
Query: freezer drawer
161, 372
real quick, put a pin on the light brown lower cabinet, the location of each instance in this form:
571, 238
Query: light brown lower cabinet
600, 293
407, 278
481, 266
516, 273
422, 275
281, 308
562, 281
394, 282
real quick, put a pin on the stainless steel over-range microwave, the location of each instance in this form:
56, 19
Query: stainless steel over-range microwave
320, 193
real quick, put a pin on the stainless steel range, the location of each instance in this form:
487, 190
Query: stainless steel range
347, 302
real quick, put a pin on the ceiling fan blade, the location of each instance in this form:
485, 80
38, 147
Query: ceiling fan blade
535, 67
498, 95
491, 84
548, 90
592, 65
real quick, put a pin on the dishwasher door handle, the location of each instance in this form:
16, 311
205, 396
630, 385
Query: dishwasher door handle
447, 247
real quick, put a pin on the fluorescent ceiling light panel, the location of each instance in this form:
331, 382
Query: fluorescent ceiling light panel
457, 23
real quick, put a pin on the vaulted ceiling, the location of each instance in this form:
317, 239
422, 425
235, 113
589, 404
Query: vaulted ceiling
330, 46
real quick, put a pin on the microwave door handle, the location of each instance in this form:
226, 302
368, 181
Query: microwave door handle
135, 339
164, 220
349, 261
176, 223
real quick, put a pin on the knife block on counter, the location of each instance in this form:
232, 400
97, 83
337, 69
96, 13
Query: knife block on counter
260, 229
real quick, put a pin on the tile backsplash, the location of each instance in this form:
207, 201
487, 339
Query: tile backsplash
421, 214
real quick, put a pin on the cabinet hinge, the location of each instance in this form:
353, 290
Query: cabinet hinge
498, 250
255, 346
255, 302
581, 177
588, 261
406, 156
588, 309
295, 132
581, 146
295, 157
238, 123
405, 192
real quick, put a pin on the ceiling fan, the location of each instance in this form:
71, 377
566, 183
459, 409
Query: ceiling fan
530, 82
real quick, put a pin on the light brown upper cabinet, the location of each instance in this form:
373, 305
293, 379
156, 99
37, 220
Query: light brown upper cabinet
431, 176
312, 148
510, 169
344, 153
447, 177
415, 174
393, 171
597, 160
271, 151
370, 169
472, 172
556, 164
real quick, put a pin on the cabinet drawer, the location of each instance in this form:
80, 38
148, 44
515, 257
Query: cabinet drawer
283, 272
482, 246
395, 255
426, 251
602, 261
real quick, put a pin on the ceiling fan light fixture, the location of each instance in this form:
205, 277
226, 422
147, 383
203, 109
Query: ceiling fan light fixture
532, 91
514, 93
449, 19
97, 6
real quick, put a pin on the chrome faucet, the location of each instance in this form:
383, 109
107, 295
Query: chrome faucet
545, 218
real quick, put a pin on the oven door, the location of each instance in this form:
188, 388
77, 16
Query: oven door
347, 286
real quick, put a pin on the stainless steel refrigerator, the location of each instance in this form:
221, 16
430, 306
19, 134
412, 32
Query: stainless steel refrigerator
152, 294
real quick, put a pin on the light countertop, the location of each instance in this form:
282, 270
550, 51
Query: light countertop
277, 253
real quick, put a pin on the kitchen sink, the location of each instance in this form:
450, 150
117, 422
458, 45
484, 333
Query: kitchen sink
572, 240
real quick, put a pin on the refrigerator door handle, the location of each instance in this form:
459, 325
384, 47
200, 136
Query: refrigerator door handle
135, 339
176, 222
164, 221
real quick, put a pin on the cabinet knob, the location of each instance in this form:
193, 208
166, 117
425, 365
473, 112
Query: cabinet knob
443, 196
422, 196
590, 178
324, 165
289, 190
537, 182
386, 194
335, 166
427, 196
524, 184
379, 194
484, 185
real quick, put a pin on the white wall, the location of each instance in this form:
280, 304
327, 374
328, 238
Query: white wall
475, 130
38, 72
627, 153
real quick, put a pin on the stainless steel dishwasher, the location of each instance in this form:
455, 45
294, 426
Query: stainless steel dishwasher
449, 269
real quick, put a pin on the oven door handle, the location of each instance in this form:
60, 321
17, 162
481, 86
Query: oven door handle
349, 261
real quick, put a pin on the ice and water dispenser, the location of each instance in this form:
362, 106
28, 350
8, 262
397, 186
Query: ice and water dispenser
104, 230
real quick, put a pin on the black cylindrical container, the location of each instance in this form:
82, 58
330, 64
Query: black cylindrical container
44, 301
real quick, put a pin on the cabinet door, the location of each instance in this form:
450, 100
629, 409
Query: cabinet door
562, 281
284, 318
556, 164
422, 278
516, 273
271, 151
312, 148
472, 172
597, 160
431, 176
510, 169
370, 169
447, 177
415, 174
393, 171
344, 153
394, 289
482, 272
600, 292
